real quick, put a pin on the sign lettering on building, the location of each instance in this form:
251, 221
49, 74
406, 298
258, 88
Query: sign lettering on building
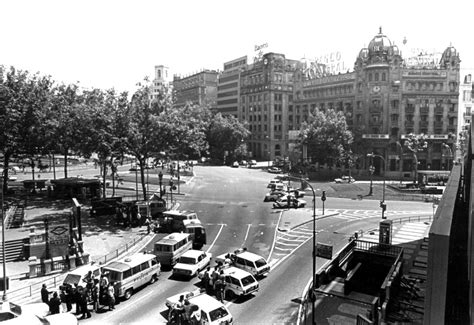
258, 51
419, 58
375, 136
324, 250
58, 235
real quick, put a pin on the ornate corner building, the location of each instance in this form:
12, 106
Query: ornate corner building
383, 99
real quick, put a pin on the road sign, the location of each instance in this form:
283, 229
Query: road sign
324, 251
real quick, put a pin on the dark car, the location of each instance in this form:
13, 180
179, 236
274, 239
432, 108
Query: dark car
274, 196
294, 203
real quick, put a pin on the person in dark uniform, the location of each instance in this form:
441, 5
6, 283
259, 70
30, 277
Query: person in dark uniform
54, 304
44, 294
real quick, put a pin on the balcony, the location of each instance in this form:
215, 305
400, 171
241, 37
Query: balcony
409, 123
438, 124
375, 123
375, 109
452, 113
424, 110
423, 124
409, 110
438, 110
394, 123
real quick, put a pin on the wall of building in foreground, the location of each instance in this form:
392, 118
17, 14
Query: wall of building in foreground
449, 287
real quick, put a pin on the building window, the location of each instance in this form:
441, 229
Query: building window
376, 76
394, 131
383, 76
370, 77
394, 117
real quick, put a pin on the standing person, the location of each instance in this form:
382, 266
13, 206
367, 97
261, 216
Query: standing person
54, 304
214, 277
95, 295
111, 296
83, 302
206, 279
44, 294
77, 299
148, 225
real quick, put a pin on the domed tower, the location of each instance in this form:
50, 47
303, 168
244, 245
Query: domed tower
380, 51
450, 59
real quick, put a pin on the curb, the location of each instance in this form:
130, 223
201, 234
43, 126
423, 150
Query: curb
307, 221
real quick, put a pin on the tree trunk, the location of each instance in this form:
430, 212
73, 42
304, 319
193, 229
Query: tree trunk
65, 163
104, 173
142, 178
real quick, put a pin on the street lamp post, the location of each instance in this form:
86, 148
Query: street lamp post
4, 297
160, 178
383, 206
401, 161
171, 191
450, 156
371, 170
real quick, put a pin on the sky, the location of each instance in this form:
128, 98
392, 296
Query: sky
115, 44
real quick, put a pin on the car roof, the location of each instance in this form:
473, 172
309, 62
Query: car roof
206, 302
192, 253
129, 261
173, 238
249, 256
236, 272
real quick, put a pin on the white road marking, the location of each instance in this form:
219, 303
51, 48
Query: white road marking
246, 234
215, 239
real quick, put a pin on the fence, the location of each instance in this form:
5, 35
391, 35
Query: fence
54, 281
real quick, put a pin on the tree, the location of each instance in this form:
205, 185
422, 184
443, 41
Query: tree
326, 135
24, 101
142, 132
226, 133
416, 143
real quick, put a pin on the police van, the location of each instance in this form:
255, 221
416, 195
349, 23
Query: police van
250, 262
132, 272
213, 312
77, 277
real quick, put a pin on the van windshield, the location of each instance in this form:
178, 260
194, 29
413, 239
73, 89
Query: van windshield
114, 276
260, 262
248, 280
218, 314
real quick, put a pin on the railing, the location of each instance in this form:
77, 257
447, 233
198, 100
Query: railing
377, 248
54, 281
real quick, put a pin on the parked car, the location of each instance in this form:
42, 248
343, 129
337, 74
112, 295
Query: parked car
274, 182
344, 179
274, 170
235, 164
274, 195
294, 203
252, 162
243, 163
191, 262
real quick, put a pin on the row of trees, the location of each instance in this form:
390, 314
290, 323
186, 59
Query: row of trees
41, 117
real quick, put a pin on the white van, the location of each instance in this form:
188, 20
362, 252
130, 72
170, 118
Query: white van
213, 312
238, 282
132, 272
170, 248
77, 276
250, 262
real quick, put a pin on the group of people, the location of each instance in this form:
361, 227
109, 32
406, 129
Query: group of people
94, 291
214, 281
184, 313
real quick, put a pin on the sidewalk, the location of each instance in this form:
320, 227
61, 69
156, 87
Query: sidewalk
292, 218
100, 237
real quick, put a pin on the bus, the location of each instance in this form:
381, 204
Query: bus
170, 248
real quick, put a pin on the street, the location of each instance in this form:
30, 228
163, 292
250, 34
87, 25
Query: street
229, 201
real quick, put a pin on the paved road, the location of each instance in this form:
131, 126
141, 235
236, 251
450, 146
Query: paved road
229, 202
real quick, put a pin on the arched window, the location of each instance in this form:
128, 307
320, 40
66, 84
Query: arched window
376, 76
384, 77
370, 77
